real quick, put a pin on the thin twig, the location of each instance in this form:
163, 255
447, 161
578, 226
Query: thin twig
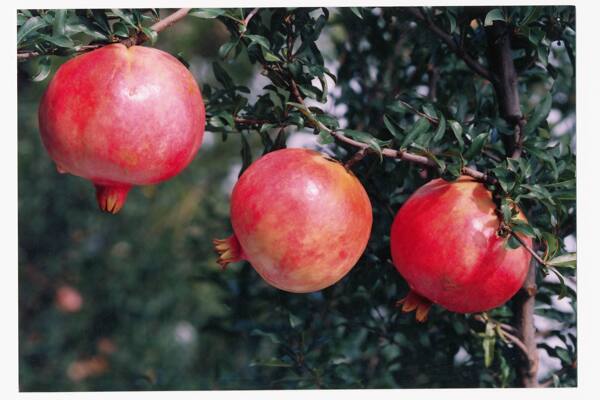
250, 16
429, 118
528, 248
136, 39
449, 41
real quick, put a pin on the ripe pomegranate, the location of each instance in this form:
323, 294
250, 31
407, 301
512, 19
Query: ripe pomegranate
120, 117
445, 243
300, 218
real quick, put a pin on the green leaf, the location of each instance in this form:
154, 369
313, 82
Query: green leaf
429, 110
246, 154
564, 355
226, 48
77, 24
563, 285
120, 29
44, 67
513, 243
151, 34
494, 15
451, 21
101, 20
260, 40
58, 27
489, 343
506, 210
273, 362
565, 261
124, 17
539, 114
441, 129
532, 15
269, 56
325, 138
294, 321
476, 146
270, 336
366, 138
328, 120
519, 226
32, 25
420, 127
222, 76
60, 41
457, 129
542, 53
552, 245
207, 13
357, 12
393, 127
280, 140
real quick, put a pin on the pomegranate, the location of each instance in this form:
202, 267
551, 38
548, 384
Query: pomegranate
445, 243
301, 219
120, 117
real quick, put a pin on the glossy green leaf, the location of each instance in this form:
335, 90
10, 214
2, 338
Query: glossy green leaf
440, 130
489, 344
60, 18
364, 137
260, 40
125, 17
356, 11
476, 146
207, 13
222, 76
32, 25
457, 129
150, 34
60, 41
419, 128
564, 261
393, 127
494, 15
539, 114
44, 67
246, 154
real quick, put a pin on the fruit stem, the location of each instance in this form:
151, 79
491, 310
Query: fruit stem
229, 250
111, 198
414, 301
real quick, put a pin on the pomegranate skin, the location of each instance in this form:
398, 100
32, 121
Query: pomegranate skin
444, 242
120, 117
301, 219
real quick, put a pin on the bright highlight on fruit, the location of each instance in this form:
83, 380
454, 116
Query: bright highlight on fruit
121, 117
300, 218
445, 243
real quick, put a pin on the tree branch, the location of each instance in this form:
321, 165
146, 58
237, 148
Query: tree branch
399, 154
449, 41
507, 94
136, 39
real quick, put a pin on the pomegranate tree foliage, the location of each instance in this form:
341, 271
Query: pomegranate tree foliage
390, 82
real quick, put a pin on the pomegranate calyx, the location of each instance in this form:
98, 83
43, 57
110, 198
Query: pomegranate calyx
111, 198
229, 250
414, 301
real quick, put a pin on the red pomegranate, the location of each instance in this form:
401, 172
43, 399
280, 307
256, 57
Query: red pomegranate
300, 218
120, 117
445, 243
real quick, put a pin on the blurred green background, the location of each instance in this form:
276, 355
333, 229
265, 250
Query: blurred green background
146, 301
